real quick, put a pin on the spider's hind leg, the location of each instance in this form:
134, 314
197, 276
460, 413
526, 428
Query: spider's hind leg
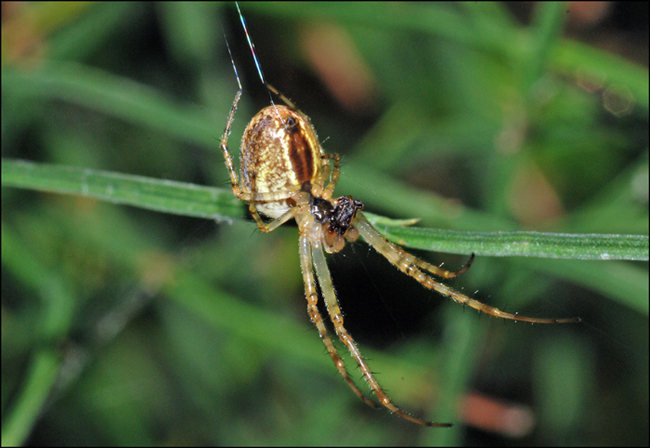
234, 181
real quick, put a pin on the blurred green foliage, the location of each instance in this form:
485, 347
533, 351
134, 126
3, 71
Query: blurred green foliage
123, 326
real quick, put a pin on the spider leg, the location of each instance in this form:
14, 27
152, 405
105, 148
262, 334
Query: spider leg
411, 265
319, 183
408, 259
435, 270
272, 225
224, 147
284, 99
329, 190
325, 281
312, 308
279, 196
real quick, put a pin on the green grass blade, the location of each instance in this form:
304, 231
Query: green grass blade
523, 244
145, 192
216, 203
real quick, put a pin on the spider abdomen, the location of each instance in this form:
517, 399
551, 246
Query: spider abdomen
279, 152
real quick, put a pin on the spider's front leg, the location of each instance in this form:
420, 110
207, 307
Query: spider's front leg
312, 308
336, 316
411, 265
316, 227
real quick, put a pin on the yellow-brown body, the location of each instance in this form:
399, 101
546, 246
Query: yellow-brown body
279, 152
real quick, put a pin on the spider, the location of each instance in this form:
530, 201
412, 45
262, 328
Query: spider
286, 174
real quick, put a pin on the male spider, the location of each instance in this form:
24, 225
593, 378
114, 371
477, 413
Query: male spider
285, 174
